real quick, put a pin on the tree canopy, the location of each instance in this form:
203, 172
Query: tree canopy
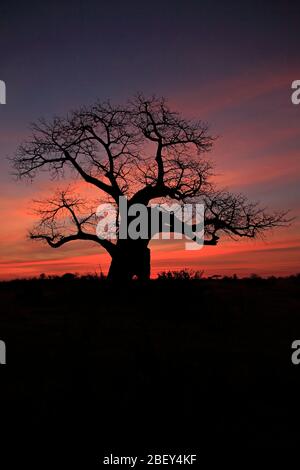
142, 150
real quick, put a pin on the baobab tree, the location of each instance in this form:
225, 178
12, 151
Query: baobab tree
142, 151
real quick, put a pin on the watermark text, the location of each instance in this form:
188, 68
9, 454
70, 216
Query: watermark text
2, 352
2, 92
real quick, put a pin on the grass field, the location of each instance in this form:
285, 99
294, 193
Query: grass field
203, 364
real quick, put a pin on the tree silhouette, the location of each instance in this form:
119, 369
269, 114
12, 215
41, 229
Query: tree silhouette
143, 151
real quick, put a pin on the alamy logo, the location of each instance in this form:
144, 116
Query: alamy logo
2, 352
2, 92
157, 221
296, 94
296, 354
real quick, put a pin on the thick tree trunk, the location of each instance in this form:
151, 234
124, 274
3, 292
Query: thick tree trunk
132, 259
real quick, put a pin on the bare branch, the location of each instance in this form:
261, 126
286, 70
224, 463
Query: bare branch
66, 217
143, 151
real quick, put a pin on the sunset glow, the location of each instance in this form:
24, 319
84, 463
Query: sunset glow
256, 153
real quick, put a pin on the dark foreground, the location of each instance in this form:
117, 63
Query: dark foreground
200, 366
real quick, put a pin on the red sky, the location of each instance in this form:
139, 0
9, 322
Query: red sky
229, 63
257, 153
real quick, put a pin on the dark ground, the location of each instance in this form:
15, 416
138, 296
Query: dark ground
202, 365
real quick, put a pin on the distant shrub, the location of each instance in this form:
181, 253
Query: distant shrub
69, 276
234, 277
254, 276
182, 275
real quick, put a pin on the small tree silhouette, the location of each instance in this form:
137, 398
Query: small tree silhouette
143, 151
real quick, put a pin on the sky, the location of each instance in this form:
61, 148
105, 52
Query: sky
228, 63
